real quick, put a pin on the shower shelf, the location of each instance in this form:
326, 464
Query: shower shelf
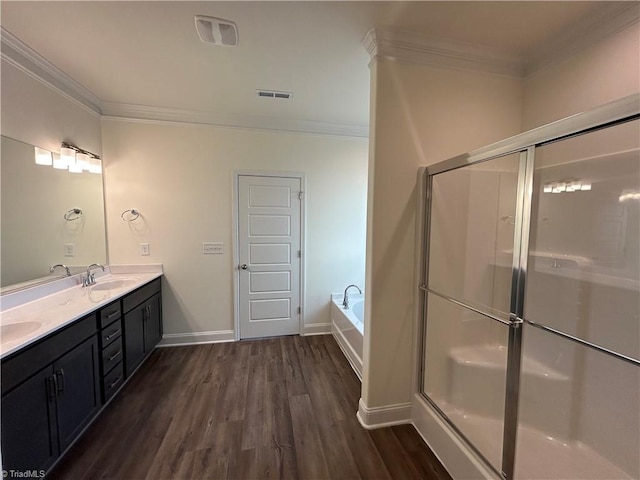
495, 358
571, 269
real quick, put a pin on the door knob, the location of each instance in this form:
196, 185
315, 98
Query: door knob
244, 266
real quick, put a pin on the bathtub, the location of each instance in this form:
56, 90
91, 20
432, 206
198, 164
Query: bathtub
347, 327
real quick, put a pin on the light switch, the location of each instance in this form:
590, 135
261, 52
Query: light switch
215, 248
144, 249
69, 250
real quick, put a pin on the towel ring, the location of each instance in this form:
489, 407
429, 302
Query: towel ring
73, 214
134, 214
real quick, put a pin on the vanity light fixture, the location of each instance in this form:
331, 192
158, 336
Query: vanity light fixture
43, 157
58, 162
67, 155
568, 186
74, 167
82, 160
95, 165
71, 158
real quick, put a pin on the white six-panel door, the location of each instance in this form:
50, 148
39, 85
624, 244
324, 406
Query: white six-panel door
269, 252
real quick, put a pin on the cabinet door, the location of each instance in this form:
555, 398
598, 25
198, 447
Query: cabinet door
153, 323
29, 439
134, 338
78, 383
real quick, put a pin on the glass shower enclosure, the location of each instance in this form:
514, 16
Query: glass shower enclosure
530, 298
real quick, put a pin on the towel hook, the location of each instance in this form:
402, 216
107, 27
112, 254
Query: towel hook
133, 214
73, 214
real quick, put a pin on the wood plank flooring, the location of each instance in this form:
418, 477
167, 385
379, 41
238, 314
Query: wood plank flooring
276, 408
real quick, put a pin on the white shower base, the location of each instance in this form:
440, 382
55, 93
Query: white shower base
540, 455
545, 457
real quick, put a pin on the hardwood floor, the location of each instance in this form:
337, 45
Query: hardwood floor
261, 409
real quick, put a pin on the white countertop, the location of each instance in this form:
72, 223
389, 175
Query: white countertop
45, 309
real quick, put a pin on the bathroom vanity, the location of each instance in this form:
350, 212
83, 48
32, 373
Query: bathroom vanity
59, 376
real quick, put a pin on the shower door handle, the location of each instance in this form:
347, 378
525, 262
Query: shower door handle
244, 266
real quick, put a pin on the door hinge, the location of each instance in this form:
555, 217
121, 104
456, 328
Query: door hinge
299, 310
300, 195
299, 253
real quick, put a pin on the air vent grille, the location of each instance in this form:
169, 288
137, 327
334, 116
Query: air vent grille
216, 31
274, 94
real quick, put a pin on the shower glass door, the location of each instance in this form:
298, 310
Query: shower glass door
580, 381
469, 275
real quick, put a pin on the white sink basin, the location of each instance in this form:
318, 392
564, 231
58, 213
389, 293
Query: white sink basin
13, 331
114, 284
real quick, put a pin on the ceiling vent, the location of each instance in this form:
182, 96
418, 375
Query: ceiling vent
274, 94
216, 31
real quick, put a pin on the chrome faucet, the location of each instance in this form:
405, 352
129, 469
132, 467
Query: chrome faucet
90, 279
345, 302
53, 267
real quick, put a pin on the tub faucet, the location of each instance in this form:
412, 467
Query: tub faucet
53, 267
90, 279
345, 302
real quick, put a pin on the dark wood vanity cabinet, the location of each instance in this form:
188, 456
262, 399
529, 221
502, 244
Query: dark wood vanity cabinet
142, 324
112, 349
54, 388
50, 393
29, 439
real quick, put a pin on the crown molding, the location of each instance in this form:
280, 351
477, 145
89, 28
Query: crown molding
149, 114
416, 48
23, 57
413, 47
612, 18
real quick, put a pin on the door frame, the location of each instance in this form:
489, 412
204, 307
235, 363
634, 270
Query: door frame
235, 237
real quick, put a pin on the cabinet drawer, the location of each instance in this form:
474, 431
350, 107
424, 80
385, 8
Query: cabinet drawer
112, 355
111, 383
110, 313
138, 296
26, 362
110, 334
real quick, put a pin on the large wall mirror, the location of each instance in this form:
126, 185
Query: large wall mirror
49, 216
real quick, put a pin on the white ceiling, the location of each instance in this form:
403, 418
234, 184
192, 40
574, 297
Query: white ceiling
148, 53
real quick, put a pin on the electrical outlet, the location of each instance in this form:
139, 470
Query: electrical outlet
215, 248
144, 249
69, 250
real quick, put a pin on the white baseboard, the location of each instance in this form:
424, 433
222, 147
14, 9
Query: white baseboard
354, 360
387, 416
196, 338
316, 329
